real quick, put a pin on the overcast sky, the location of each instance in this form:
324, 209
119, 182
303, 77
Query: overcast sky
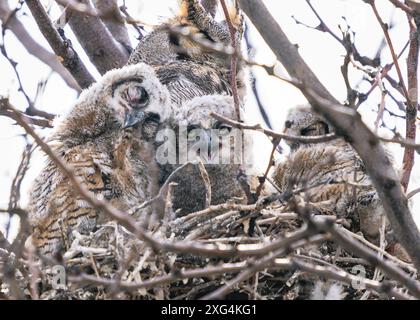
323, 54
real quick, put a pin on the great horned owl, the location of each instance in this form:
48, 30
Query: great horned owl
333, 174
161, 46
183, 65
222, 149
96, 139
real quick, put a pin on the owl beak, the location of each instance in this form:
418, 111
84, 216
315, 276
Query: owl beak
132, 117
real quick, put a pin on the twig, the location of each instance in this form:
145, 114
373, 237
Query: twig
233, 59
413, 193
206, 180
411, 110
254, 81
285, 51
4, 106
62, 49
17, 181
391, 48
274, 134
300, 240
369, 256
402, 6
342, 276
275, 143
11, 22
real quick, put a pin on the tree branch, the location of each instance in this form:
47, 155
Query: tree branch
62, 49
4, 111
96, 40
114, 21
349, 125
11, 22
285, 51
411, 109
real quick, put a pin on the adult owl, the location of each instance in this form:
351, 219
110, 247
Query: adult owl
188, 69
108, 140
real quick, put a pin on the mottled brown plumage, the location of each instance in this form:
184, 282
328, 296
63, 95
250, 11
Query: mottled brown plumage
183, 65
334, 175
108, 140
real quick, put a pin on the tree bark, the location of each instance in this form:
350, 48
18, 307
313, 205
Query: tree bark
101, 48
114, 21
65, 53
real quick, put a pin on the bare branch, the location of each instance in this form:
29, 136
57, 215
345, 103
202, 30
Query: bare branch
299, 239
413, 193
62, 49
111, 16
10, 21
276, 135
411, 110
97, 41
263, 112
350, 126
5, 105
233, 59
345, 277
391, 48
402, 6
286, 52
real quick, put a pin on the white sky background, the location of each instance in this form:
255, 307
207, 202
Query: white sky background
322, 53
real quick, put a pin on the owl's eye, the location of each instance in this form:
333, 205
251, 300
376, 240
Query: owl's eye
316, 129
192, 133
309, 131
191, 127
288, 124
137, 96
224, 130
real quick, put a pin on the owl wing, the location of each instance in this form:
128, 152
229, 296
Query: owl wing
57, 209
186, 80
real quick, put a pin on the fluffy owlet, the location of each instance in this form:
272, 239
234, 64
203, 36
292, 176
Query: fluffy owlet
221, 148
332, 172
183, 65
108, 139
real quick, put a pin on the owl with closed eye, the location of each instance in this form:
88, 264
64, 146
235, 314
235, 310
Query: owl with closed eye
107, 139
333, 175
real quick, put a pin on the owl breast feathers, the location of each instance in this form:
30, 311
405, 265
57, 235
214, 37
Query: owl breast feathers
107, 140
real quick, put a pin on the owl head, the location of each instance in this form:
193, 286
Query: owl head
122, 98
303, 121
134, 93
196, 112
214, 141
